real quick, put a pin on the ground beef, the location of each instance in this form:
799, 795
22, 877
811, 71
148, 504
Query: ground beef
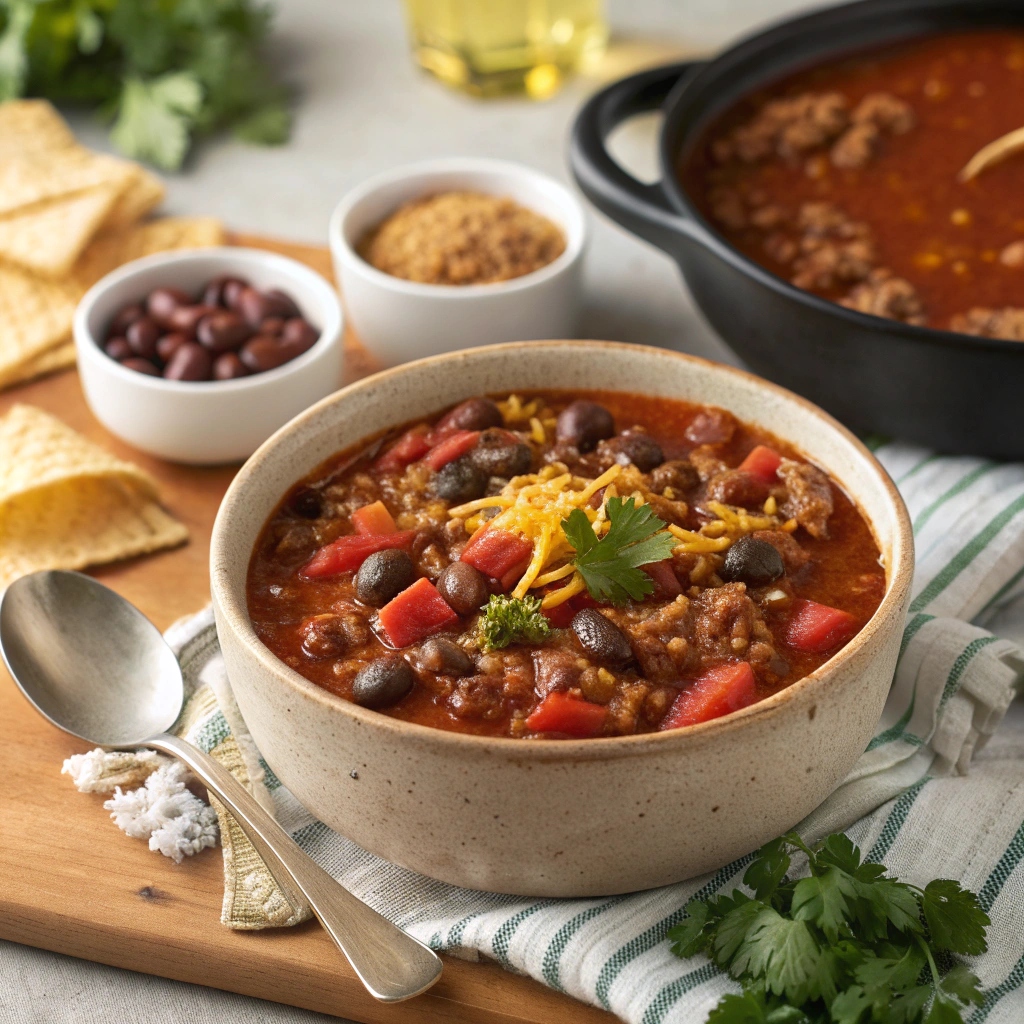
833, 247
1013, 255
728, 626
885, 111
625, 708
679, 475
728, 208
856, 146
808, 496
555, 670
884, 294
712, 426
737, 487
794, 557
1007, 323
706, 462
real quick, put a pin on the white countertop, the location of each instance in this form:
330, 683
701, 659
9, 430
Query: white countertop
364, 107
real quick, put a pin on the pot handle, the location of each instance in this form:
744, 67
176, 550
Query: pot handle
640, 208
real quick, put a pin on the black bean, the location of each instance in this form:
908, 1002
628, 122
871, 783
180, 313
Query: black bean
382, 683
459, 481
500, 453
118, 348
753, 561
463, 587
223, 331
583, 424
445, 657
162, 302
143, 336
473, 414
306, 502
189, 362
324, 636
601, 638
642, 451
383, 575
227, 366
140, 365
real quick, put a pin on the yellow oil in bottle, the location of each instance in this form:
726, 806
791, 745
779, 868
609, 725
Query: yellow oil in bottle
491, 47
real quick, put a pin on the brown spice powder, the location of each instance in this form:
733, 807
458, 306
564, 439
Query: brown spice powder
462, 238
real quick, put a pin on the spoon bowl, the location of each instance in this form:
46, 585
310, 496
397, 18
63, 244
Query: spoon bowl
88, 660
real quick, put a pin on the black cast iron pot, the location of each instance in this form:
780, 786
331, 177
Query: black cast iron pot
948, 391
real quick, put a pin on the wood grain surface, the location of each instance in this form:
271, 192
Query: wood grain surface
74, 884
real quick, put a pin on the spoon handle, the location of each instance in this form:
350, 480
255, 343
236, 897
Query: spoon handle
389, 962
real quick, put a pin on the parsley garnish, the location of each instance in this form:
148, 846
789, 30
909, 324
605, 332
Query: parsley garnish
609, 565
845, 946
506, 620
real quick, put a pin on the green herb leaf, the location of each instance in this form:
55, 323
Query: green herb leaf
780, 950
688, 937
610, 566
955, 920
268, 126
508, 620
963, 984
13, 54
769, 868
824, 899
156, 117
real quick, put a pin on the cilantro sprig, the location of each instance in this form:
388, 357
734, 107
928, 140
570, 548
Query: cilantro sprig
610, 566
846, 945
166, 72
508, 620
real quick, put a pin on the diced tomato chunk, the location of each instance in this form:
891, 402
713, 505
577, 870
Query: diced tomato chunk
373, 520
496, 552
762, 463
509, 579
818, 628
451, 448
346, 554
718, 692
666, 583
558, 712
417, 612
408, 448
562, 614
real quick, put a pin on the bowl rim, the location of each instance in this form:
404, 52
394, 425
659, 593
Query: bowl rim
673, 143
897, 587
330, 331
574, 229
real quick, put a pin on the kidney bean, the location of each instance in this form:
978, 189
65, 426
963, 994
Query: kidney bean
141, 365
473, 414
125, 317
169, 344
222, 331
582, 424
214, 293
383, 575
501, 453
306, 502
143, 336
601, 638
273, 325
463, 587
299, 333
231, 294
118, 348
382, 683
185, 319
263, 353
257, 306
190, 362
444, 657
644, 452
227, 366
162, 302
285, 303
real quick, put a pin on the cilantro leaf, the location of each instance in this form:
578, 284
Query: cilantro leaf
688, 937
508, 620
13, 54
156, 117
769, 868
838, 849
782, 951
943, 1011
825, 900
963, 984
268, 126
610, 566
955, 920
751, 1007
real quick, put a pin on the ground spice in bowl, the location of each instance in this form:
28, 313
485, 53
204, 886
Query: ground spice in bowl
461, 238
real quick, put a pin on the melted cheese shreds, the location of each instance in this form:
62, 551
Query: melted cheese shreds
697, 542
537, 432
513, 410
575, 586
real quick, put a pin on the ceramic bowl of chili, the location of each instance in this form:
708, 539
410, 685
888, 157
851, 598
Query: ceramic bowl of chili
947, 390
568, 816
205, 422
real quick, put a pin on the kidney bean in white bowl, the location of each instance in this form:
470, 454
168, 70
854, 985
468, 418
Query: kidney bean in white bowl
195, 419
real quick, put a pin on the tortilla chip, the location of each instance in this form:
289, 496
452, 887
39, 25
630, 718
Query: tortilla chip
65, 503
31, 126
49, 174
48, 238
54, 359
35, 315
144, 194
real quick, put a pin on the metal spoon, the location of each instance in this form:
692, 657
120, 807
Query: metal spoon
97, 668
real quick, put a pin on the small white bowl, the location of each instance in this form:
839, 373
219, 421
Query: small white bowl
399, 320
205, 422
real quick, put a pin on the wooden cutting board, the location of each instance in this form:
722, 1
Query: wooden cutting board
74, 884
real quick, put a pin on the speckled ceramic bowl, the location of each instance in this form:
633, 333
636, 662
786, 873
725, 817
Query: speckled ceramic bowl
558, 817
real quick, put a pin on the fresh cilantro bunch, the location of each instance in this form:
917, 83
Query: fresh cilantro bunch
164, 70
845, 946
609, 566
508, 620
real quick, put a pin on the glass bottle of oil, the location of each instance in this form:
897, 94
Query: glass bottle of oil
490, 47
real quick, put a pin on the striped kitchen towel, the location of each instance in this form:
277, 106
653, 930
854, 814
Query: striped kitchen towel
938, 792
